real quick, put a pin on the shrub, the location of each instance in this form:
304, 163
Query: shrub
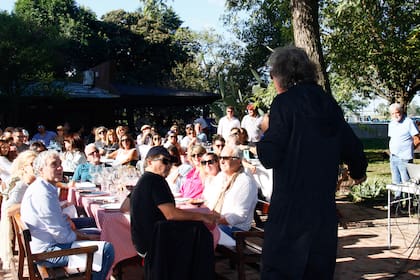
374, 189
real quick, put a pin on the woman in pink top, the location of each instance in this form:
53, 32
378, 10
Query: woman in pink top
193, 186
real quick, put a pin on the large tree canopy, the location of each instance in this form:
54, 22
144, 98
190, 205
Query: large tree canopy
373, 47
267, 24
27, 53
145, 45
82, 46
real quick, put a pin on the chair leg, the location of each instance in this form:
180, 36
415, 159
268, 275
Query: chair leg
241, 270
21, 263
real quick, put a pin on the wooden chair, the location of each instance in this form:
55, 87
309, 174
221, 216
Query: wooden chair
37, 272
261, 213
248, 246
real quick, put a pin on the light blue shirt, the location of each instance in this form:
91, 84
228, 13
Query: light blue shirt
401, 142
46, 138
41, 211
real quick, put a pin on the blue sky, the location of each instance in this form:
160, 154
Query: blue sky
196, 14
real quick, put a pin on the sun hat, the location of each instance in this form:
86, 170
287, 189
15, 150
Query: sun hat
146, 126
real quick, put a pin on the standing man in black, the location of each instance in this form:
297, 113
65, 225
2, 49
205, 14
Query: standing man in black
305, 141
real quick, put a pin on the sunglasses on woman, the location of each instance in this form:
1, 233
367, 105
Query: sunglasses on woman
197, 155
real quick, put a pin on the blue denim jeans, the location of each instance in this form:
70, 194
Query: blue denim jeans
86, 225
107, 260
399, 171
229, 230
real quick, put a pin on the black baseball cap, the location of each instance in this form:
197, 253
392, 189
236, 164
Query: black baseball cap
158, 150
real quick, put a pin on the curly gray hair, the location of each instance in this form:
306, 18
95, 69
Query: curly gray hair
290, 66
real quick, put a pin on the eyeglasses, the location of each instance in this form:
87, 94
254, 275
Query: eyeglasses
196, 155
124, 140
95, 151
210, 161
227, 158
156, 138
165, 161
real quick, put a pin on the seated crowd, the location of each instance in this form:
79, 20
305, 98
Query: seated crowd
31, 173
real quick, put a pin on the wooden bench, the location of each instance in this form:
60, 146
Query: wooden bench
38, 272
248, 246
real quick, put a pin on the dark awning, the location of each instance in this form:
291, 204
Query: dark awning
162, 96
121, 94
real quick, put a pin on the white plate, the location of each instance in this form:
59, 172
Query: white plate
87, 190
111, 206
103, 199
181, 200
85, 185
96, 193
107, 160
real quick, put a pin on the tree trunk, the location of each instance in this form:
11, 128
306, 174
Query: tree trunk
306, 35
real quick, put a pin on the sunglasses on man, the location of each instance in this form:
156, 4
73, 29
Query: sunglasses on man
164, 160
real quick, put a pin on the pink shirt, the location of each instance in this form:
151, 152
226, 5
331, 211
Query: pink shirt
193, 186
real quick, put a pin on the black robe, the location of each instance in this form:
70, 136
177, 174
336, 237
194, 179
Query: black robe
306, 141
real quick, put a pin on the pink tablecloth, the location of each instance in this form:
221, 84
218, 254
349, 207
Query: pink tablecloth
115, 226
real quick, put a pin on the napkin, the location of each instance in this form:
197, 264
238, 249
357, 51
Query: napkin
85, 185
79, 261
70, 211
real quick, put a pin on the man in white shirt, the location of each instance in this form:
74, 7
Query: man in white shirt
227, 122
404, 136
235, 193
50, 228
251, 123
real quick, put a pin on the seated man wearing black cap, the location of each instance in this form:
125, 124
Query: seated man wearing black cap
152, 201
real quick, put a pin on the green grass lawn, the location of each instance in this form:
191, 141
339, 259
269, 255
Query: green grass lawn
373, 191
376, 151
378, 173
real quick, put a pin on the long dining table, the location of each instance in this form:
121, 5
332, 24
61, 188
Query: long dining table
115, 225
